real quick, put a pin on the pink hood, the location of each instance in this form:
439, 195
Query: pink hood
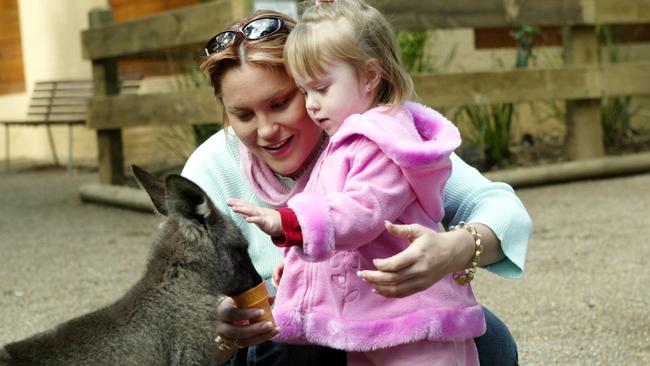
395, 136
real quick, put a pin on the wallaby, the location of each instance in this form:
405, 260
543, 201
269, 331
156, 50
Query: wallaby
168, 316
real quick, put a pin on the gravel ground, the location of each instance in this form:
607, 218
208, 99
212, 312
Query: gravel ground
584, 299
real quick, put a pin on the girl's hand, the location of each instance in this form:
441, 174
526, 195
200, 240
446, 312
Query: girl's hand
233, 326
268, 220
430, 257
277, 274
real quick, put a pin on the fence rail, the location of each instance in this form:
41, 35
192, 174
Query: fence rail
194, 24
582, 81
181, 107
442, 90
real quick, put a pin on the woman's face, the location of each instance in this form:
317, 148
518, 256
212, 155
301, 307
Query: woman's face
267, 112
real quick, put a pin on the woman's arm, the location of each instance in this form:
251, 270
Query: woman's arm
493, 208
472, 198
429, 257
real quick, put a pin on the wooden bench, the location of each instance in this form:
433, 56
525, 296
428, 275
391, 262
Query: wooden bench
58, 103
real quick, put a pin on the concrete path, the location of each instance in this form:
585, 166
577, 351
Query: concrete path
585, 299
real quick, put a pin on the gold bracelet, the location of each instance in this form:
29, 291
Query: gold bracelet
467, 275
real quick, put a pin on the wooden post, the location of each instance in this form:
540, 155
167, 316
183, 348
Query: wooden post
105, 81
584, 126
69, 164
7, 150
50, 138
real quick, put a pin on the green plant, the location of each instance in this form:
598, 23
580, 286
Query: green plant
491, 125
412, 46
525, 37
616, 116
616, 112
490, 130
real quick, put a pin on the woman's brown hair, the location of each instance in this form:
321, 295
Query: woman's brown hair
265, 52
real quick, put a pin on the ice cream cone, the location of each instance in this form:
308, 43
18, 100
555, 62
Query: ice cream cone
256, 297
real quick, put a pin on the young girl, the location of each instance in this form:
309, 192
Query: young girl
386, 159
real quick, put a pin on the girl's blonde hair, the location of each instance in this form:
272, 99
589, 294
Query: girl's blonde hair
265, 52
353, 32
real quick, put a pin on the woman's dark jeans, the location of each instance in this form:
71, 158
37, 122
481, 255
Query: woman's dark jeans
495, 347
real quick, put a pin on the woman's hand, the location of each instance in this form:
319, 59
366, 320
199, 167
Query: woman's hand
235, 329
268, 220
430, 256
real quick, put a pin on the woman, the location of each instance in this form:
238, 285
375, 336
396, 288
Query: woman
270, 130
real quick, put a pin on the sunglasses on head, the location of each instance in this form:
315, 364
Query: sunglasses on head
255, 29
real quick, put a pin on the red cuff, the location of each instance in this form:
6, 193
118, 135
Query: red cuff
290, 229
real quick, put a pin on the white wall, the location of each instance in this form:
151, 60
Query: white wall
51, 42
51, 46
51, 38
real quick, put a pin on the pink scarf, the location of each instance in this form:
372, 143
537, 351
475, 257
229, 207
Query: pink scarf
267, 184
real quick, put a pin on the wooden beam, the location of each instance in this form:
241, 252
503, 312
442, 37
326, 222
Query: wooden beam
182, 107
621, 11
171, 29
625, 79
607, 166
452, 90
508, 13
572, 82
439, 90
417, 14
194, 25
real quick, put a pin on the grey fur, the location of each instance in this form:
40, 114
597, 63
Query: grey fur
168, 316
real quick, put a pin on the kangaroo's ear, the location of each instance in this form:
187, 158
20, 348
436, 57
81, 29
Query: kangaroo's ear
154, 187
188, 200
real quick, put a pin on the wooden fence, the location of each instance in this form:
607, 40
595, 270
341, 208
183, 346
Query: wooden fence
582, 81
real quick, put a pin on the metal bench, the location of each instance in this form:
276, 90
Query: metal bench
57, 103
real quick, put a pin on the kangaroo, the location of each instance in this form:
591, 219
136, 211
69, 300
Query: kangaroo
168, 316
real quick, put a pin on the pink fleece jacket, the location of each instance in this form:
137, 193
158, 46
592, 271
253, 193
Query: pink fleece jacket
378, 166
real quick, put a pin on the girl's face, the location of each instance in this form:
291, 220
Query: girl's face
267, 112
340, 94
